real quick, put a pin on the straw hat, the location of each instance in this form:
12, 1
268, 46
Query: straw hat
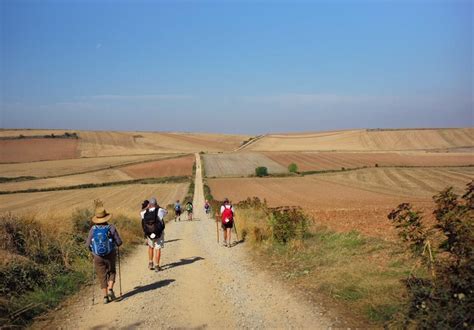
101, 216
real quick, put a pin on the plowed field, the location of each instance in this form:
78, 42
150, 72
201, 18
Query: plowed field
358, 200
118, 199
238, 164
30, 150
162, 168
308, 161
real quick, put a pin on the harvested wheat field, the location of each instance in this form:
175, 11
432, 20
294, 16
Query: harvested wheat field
94, 144
182, 166
310, 161
238, 164
368, 140
342, 204
72, 166
31, 150
124, 200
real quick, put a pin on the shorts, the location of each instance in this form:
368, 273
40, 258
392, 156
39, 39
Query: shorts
177, 212
228, 225
156, 243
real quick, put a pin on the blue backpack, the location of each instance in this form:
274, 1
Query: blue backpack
101, 244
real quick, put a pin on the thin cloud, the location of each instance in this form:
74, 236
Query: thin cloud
144, 97
99, 45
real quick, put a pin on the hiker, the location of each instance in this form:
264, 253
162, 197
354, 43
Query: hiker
207, 207
189, 209
153, 225
227, 218
102, 239
177, 211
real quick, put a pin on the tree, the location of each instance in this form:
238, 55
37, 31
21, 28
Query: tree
261, 171
293, 168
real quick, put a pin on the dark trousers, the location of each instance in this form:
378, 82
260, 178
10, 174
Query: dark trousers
105, 268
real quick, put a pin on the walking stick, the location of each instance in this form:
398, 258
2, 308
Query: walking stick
120, 274
93, 281
235, 228
217, 227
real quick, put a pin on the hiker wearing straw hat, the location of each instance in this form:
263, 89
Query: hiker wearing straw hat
102, 239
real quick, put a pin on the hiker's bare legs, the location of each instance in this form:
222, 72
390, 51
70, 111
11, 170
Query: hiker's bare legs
228, 234
150, 254
157, 257
225, 235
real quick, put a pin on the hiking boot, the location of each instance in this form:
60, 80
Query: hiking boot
224, 244
157, 269
150, 265
106, 299
111, 295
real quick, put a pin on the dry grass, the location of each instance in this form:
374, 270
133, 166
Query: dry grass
125, 200
30, 150
363, 140
182, 166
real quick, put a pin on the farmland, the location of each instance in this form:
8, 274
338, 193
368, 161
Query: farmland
238, 164
27, 150
368, 140
181, 166
311, 161
58, 205
356, 200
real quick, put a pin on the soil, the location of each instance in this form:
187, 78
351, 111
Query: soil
202, 285
31, 150
162, 168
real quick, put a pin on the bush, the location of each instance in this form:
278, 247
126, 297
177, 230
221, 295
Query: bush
288, 223
293, 168
445, 299
261, 171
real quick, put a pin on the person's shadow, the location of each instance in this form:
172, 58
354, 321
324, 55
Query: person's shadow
182, 262
145, 288
173, 240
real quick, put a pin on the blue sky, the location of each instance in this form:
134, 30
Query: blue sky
236, 66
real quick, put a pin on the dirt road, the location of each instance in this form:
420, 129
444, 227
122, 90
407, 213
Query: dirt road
202, 285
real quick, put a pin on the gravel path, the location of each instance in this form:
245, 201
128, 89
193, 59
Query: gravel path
202, 285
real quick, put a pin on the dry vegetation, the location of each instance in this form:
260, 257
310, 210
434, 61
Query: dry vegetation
56, 205
182, 166
238, 164
311, 161
368, 140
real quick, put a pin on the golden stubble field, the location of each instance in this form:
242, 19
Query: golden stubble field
353, 200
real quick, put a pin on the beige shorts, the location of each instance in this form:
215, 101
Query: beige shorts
156, 243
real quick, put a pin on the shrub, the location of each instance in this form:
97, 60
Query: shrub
261, 171
293, 168
288, 223
445, 298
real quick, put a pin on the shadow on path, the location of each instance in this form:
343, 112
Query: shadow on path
182, 262
237, 242
145, 288
173, 240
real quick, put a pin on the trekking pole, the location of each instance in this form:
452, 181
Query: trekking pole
93, 281
235, 228
217, 228
120, 274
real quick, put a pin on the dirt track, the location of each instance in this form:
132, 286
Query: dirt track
203, 285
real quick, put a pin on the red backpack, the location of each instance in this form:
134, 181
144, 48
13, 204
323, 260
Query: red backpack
227, 214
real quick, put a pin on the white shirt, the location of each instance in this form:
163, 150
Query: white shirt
161, 212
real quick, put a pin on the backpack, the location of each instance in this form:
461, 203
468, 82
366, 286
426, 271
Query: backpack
227, 214
151, 224
101, 243
189, 207
177, 207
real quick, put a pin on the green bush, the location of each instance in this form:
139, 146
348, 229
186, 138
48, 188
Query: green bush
293, 168
445, 298
261, 171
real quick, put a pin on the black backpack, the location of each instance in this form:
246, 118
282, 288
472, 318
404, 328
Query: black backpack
152, 224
